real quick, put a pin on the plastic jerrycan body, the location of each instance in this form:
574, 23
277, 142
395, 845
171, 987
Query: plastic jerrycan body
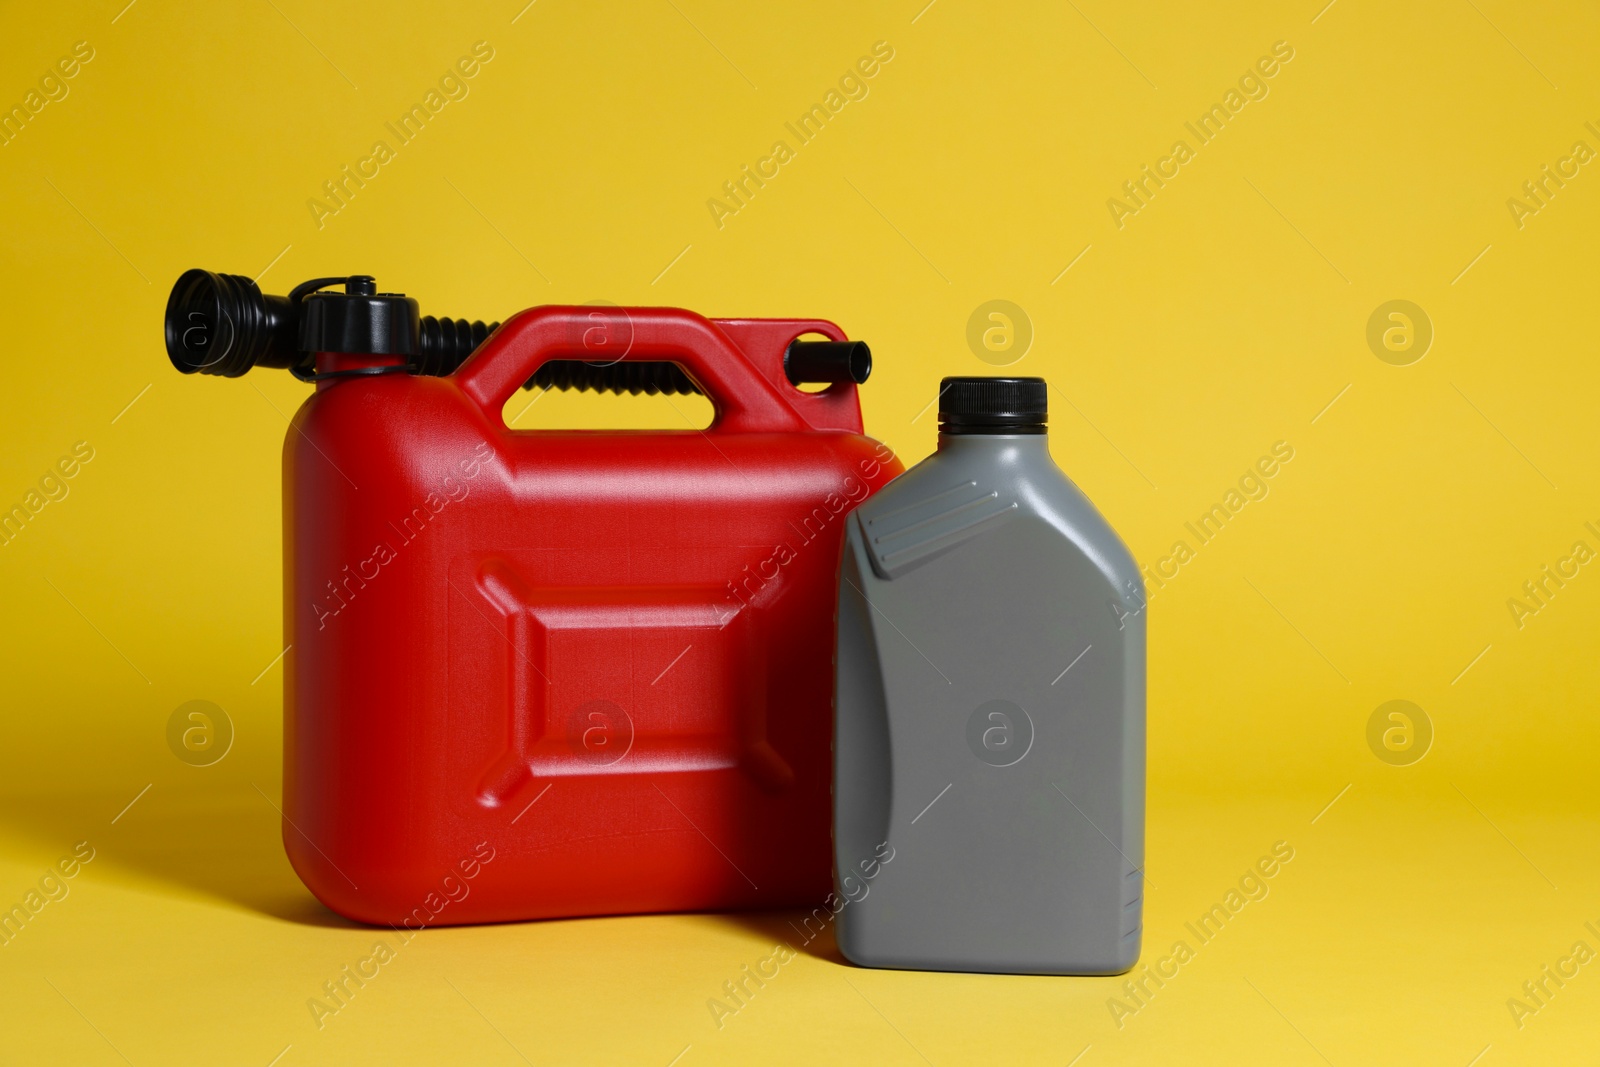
989, 755
555, 673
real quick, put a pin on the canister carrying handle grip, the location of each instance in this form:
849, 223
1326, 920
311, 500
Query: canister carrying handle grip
744, 398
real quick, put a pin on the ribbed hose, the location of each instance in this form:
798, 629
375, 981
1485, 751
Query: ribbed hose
643, 376
446, 344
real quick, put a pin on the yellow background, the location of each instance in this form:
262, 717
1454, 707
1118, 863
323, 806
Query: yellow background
1223, 317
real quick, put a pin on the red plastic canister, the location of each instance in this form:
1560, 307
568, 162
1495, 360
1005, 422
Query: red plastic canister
555, 673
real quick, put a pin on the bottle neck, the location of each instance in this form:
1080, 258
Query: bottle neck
980, 443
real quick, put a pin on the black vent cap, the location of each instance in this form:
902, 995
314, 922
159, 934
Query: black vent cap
993, 405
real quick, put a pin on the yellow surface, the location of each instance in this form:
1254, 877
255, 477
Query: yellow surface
1229, 313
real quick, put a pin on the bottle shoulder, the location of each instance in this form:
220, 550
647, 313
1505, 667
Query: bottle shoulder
953, 496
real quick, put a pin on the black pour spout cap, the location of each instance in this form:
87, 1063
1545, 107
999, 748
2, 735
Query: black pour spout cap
360, 321
993, 405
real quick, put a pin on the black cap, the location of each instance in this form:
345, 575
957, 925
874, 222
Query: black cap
993, 405
360, 321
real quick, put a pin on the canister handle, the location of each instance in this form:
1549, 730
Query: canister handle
745, 398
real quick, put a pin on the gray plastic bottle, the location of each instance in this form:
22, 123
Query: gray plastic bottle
990, 709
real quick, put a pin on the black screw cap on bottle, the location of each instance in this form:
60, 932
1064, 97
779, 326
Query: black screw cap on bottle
993, 405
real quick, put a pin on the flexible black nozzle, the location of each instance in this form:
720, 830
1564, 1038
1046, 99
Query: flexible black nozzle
223, 324
632, 376
444, 344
